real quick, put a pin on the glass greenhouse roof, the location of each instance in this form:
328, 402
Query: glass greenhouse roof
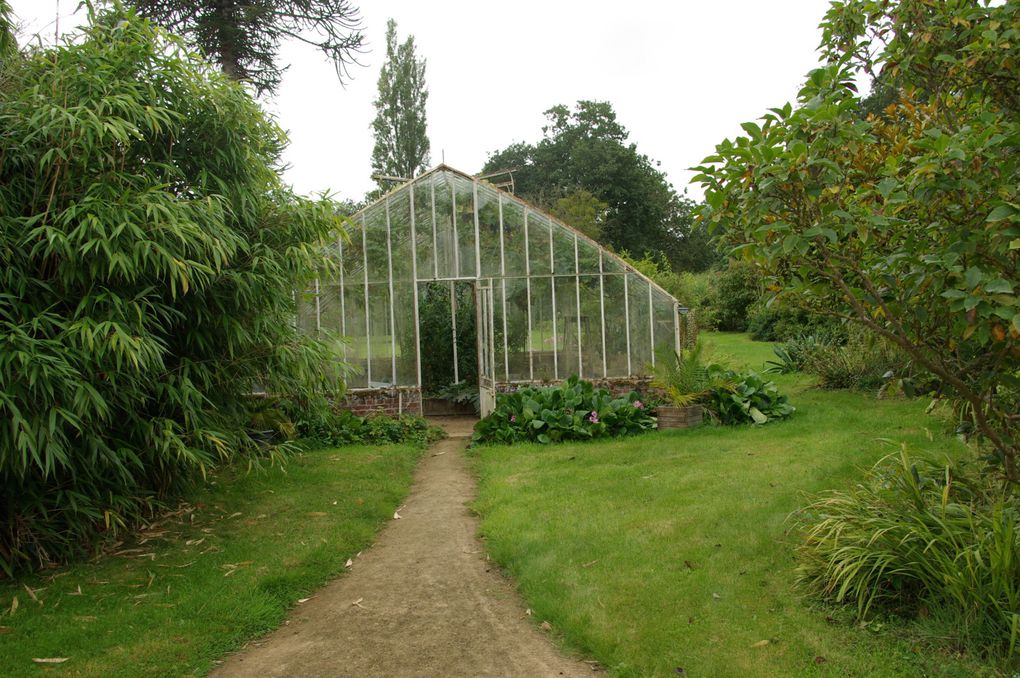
547, 301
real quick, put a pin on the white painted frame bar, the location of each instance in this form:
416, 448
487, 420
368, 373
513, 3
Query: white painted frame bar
577, 295
555, 321
602, 313
393, 322
626, 312
651, 324
502, 285
414, 288
527, 284
368, 315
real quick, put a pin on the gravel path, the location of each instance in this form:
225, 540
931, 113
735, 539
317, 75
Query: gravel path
422, 601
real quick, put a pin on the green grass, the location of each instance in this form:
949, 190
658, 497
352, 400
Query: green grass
671, 550
226, 569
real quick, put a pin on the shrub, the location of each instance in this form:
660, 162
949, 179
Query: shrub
148, 257
864, 362
747, 398
346, 428
737, 287
920, 538
779, 321
793, 354
574, 410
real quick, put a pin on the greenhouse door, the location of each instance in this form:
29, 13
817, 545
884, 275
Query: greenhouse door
486, 348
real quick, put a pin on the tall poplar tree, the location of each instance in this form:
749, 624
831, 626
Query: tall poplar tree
243, 36
401, 141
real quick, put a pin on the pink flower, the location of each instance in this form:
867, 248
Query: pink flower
513, 418
638, 404
593, 417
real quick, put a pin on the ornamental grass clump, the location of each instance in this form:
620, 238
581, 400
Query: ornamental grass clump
921, 539
574, 410
148, 256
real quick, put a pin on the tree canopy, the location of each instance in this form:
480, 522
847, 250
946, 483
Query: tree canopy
243, 36
908, 221
584, 152
401, 138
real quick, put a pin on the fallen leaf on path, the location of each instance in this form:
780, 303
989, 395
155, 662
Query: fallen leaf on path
303, 600
396, 516
233, 515
716, 596
349, 563
589, 564
528, 612
76, 593
761, 643
545, 626
50, 660
357, 603
14, 606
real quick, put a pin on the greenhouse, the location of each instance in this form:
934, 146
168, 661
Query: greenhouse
449, 284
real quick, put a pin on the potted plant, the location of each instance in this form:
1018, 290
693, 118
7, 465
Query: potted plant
686, 382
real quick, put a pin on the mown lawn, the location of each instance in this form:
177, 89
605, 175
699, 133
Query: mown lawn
225, 569
669, 554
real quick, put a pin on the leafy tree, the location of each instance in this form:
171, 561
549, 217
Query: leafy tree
908, 222
583, 211
243, 36
401, 139
148, 255
586, 150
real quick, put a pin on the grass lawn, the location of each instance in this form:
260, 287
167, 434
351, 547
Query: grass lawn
670, 550
224, 570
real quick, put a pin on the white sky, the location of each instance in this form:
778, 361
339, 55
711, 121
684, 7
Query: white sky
681, 75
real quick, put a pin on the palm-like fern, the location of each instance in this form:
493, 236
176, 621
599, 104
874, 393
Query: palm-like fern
687, 378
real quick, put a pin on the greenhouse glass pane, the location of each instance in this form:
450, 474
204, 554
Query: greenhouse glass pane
591, 327
542, 327
464, 191
663, 320
329, 309
376, 244
403, 311
423, 229
499, 355
640, 331
488, 231
513, 237
353, 257
400, 234
446, 242
587, 256
616, 326
538, 243
563, 246
566, 326
306, 310
354, 320
380, 346
517, 327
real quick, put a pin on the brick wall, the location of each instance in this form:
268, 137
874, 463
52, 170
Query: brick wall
391, 401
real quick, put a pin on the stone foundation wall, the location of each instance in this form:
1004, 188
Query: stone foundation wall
391, 401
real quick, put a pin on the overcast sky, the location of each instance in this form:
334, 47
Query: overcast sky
681, 75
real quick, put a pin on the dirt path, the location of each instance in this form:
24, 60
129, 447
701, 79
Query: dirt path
423, 601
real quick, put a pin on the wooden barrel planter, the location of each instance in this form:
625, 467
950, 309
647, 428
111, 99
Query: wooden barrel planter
680, 417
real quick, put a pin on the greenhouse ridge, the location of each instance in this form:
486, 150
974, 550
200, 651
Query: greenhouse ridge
548, 302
